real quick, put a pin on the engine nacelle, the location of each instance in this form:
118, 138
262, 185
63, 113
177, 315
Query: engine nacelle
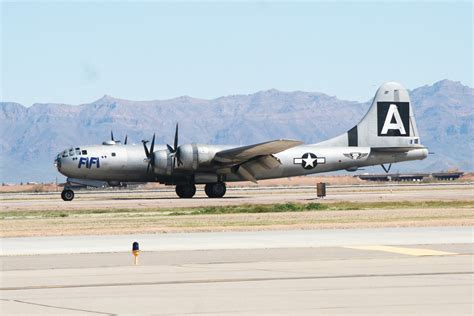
163, 162
192, 156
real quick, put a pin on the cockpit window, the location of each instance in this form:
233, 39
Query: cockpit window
71, 152
84, 152
78, 151
65, 154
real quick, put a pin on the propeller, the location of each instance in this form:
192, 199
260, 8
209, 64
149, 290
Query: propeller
149, 153
117, 141
174, 151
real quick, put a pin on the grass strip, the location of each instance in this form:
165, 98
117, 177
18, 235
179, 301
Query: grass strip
337, 206
240, 209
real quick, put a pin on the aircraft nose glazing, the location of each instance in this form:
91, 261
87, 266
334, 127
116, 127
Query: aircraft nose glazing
57, 162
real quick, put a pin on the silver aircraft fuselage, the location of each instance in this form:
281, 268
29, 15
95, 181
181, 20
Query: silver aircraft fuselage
386, 134
128, 163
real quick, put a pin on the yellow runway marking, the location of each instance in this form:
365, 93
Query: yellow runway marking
404, 251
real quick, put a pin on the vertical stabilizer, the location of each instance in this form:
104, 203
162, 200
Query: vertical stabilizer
389, 123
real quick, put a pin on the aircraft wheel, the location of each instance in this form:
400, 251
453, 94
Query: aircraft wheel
67, 195
185, 191
215, 190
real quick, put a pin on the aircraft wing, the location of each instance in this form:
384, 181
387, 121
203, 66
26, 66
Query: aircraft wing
242, 154
247, 160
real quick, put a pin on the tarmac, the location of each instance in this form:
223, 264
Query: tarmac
388, 271
166, 198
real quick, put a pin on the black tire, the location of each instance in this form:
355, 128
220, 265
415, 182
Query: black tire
185, 191
67, 195
207, 189
215, 190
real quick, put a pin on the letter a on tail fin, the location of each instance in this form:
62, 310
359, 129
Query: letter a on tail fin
389, 123
393, 118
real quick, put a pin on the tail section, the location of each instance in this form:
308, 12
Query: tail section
388, 124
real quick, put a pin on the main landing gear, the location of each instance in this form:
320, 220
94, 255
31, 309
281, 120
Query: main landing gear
213, 190
185, 191
67, 195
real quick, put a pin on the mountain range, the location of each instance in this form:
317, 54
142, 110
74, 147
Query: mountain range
32, 136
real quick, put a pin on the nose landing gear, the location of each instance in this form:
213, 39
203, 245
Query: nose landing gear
67, 195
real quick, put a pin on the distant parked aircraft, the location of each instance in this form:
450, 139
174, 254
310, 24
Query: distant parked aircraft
385, 135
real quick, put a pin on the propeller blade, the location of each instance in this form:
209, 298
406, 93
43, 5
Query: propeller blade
126, 138
112, 135
147, 153
148, 167
171, 150
152, 149
178, 157
176, 138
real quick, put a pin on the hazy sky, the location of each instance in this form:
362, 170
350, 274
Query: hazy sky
75, 52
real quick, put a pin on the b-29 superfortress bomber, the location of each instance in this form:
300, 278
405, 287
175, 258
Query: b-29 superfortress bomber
386, 134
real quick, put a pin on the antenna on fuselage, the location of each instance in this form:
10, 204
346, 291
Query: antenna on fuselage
113, 141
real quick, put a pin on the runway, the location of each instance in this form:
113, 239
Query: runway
330, 272
292, 268
166, 198
236, 240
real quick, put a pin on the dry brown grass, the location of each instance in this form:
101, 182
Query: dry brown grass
47, 187
103, 225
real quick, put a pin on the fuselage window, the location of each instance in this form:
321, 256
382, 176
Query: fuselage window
84, 152
113, 154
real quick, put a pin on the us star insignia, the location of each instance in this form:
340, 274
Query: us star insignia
309, 161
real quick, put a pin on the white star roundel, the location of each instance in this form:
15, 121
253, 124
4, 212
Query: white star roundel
309, 161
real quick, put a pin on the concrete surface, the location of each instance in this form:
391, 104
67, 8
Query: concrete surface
237, 240
334, 272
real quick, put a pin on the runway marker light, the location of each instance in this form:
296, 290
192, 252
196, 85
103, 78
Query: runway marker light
135, 251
